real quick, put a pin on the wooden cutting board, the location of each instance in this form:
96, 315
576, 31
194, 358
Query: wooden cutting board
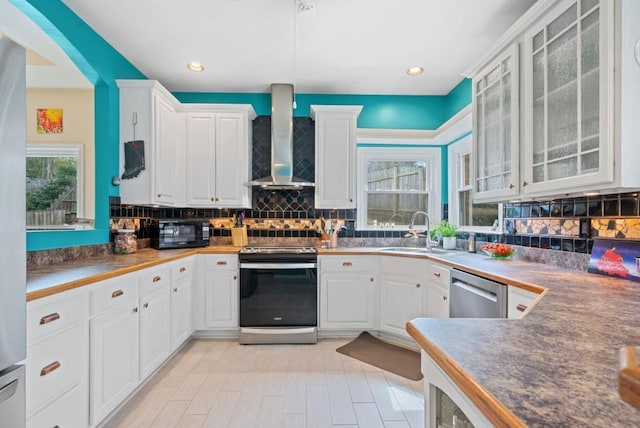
629, 375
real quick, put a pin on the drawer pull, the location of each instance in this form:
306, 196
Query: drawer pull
436, 274
347, 264
117, 293
521, 307
156, 278
48, 369
146, 305
175, 290
49, 318
418, 285
444, 298
183, 269
235, 277
222, 262
371, 279
135, 310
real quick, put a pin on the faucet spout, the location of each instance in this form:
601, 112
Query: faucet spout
428, 224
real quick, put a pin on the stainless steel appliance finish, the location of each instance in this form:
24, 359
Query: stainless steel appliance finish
13, 347
167, 234
471, 296
278, 295
281, 142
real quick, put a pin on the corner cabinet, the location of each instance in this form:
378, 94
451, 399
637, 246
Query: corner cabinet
335, 156
579, 68
148, 113
218, 155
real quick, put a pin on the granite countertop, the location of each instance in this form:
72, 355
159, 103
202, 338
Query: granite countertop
46, 280
558, 365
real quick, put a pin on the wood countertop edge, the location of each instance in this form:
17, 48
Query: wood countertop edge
629, 376
50, 291
496, 412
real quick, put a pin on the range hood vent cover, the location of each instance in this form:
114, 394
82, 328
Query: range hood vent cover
281, 142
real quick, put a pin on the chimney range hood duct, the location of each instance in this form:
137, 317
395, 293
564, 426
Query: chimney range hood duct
281, 142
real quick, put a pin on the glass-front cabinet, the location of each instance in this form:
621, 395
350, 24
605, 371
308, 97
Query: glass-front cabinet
567, 98
495, 117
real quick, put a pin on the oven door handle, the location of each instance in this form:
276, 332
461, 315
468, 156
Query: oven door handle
278, 265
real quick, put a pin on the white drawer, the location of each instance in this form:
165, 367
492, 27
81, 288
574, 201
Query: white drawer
112, 292
182, 268
54, 365
221, 261
50, 315
439, 274
345, 264
519, 301
67, 411
153, 279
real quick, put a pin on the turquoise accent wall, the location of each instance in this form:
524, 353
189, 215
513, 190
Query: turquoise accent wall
101, 64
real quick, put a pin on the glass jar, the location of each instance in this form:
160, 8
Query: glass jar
125, 242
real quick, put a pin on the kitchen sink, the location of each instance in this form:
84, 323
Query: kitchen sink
420, 250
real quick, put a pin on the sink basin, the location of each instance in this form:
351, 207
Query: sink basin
420, 250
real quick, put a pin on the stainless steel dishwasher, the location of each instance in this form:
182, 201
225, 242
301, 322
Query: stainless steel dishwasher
472, 296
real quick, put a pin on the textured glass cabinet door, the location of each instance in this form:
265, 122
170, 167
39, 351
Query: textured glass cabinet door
495, 101
562, 98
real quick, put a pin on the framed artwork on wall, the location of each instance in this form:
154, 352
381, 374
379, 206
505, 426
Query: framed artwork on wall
49, 120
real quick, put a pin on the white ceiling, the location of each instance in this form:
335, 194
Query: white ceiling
338, 46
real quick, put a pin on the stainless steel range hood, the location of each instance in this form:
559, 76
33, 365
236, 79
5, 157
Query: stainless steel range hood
281, 142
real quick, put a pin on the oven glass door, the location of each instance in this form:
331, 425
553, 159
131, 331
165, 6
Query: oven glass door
278, 294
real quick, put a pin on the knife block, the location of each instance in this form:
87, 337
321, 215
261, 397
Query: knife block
239, 236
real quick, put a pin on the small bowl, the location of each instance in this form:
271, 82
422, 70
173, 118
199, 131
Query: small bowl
500, 257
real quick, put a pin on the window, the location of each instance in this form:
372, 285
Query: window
462, 210
395, 183
54, 186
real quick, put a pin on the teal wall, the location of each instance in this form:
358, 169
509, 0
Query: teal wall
102, 64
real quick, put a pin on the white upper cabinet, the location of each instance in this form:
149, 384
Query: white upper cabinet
148, 114
495, 118
576, 131
335, 155
219, 155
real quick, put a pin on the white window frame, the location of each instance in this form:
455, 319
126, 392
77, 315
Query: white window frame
430, 155
455, 153
64, 150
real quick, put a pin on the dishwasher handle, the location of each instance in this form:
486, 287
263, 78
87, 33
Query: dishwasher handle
475, 290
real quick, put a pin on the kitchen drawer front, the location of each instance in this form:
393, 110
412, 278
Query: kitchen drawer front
182, 268
348, 264
50, 315
70, 410
153, 279
519, 301
222, 261
112, 292
54, 365
438, 274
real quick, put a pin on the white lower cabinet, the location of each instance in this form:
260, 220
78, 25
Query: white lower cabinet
402, 296
155, 330
437, 290
348, 286
181, 319
57, 379
114, 357
519, 301
221, 291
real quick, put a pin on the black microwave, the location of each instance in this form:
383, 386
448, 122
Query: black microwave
179, 234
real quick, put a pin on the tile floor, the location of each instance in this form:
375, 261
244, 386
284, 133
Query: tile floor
219, 383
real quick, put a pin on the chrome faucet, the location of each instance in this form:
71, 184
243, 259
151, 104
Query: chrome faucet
428, 224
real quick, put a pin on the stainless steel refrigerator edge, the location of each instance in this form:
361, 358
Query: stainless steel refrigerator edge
12, 230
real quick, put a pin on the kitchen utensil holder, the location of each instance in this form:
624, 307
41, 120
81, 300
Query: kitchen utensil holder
239, 236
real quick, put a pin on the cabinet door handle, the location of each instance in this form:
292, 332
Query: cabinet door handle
371, 279
213, 199
49, 368
436, 274
525, 184
146, 305
235, 277
117, 293
158, 195
183, 269
175, 290
156, 278
222, 263
347, 264
49, 318
135, 309
521, 307
511, 186
418, 285
444, 298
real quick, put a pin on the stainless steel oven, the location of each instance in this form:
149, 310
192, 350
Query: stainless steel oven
278, 295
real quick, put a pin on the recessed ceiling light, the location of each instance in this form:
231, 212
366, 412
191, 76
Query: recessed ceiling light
415, 71
195, 66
